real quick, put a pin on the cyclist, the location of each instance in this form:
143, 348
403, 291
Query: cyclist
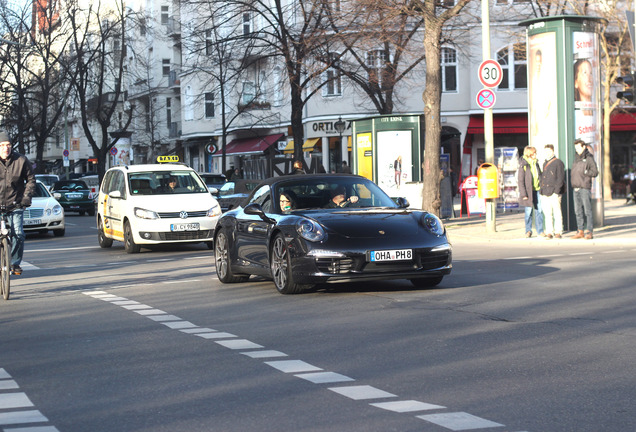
17, 185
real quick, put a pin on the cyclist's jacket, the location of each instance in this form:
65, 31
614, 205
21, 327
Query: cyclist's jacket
17, 181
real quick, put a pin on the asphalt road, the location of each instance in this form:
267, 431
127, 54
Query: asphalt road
518, 338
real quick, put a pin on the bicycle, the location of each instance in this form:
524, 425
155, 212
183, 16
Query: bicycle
5, 254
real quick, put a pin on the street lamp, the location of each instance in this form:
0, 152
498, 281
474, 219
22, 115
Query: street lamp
340, 128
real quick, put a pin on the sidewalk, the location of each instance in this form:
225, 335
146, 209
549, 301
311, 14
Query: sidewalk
619, 227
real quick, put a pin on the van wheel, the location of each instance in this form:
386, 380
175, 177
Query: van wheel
104, 242
129, 242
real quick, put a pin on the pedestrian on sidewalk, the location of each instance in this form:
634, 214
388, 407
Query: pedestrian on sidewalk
552, 187
528, 178
584, 169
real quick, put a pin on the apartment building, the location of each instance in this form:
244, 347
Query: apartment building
198, 98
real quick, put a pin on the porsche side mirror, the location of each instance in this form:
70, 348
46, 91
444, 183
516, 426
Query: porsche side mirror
403, 202
256, 210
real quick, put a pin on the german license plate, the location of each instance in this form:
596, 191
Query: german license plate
391, 255
32, 221
74, 195
184, 227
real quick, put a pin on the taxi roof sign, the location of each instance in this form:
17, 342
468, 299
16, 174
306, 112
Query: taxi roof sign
164, 159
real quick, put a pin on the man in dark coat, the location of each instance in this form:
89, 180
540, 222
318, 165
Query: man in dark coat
583, 170
528, 178
17, 186
551, 191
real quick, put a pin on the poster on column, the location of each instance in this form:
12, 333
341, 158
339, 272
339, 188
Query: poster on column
123, 151
395, 165
542, 94
587, 112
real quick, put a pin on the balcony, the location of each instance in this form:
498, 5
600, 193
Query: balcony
174, 28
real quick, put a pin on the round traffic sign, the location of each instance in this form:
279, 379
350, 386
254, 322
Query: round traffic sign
490, 73
113, 151
486, 98
65, 153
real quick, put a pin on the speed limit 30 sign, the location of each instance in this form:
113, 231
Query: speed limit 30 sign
490, 73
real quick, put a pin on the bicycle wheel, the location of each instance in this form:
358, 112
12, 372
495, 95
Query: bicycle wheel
5, 268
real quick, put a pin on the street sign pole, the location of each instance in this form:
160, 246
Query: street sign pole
491, 205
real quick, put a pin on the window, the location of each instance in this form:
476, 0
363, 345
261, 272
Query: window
247, 24
449, 70
262, 86
142, 27
209, 42
278, 85
165, 67
165, 14
332, 79
188, 104
169, 112
376, 64
248, 95
209, 105
514, 67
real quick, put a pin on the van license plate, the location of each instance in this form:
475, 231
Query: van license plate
391, 255
184, 227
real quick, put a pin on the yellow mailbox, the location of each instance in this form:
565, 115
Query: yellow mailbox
487, 181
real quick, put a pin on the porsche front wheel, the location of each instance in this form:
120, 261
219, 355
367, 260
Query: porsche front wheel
280, 265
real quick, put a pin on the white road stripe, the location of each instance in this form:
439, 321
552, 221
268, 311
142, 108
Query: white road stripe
362, 392
292, 366
324, 377
236, 344
33, 429
264, 354
406, 406
14, 400
18, 417
459, 421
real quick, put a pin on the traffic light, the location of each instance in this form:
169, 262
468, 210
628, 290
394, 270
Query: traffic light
628, 92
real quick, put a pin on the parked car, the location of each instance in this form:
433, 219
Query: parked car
154, 204
45, 213
233, 193
75, 196
47, 179
302, 230
214, 182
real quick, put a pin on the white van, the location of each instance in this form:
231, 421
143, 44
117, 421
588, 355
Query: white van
154, 204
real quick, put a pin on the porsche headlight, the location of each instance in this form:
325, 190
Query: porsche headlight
432, 224
215, 211
145, 214
310, 230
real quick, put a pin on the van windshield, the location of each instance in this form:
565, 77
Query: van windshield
165, 183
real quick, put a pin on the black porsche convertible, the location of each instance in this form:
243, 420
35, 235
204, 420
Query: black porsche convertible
305, 230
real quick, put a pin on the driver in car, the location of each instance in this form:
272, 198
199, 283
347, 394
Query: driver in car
339, 198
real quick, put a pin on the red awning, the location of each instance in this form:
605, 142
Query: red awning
502, 124
623, 122
254, 145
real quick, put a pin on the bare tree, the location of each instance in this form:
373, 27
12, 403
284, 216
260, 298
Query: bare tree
35, 78
98, 57
436, 16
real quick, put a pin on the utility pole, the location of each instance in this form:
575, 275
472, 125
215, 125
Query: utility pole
491, 204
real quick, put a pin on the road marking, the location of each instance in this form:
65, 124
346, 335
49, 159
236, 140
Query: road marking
362, 392
456, 421
459, 421
18, 401
406, 406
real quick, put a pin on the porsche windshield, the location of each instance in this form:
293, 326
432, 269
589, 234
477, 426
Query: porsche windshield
320, 193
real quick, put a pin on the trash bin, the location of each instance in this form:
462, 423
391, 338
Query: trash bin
487, 181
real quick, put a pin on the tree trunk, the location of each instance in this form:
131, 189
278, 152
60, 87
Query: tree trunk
433, 129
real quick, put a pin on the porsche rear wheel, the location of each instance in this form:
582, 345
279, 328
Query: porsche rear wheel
222, 260
427, 282
280, 265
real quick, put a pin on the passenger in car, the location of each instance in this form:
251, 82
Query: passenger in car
287, 202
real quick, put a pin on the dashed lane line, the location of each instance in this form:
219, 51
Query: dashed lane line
455, 421
17, 409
